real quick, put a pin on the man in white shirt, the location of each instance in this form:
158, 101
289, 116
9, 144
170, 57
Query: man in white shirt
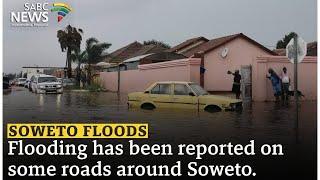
285, 81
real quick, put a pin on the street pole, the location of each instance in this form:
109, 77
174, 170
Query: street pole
296, 68
296, 85
118, 79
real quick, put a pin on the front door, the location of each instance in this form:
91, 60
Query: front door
246, 83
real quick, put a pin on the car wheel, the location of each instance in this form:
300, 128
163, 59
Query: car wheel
148, 106
212, 108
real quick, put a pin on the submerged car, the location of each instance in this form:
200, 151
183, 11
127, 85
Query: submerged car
45, 84
21, 81
186, 95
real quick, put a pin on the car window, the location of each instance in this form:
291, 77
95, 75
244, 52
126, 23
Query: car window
181, 89
47, 79
161, 89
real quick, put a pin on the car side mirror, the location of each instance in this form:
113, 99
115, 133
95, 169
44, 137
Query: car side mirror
191, 94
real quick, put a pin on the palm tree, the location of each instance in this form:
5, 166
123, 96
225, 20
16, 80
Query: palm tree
94, 50
79, 57
70, 41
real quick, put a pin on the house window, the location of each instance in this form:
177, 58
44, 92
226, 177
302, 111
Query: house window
161, 89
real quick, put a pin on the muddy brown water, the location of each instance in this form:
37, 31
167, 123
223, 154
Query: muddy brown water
265, 122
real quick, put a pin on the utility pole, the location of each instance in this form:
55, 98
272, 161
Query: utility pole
118, 79
296, 69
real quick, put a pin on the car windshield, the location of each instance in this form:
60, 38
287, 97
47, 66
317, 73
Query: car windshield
198, 89
47, 79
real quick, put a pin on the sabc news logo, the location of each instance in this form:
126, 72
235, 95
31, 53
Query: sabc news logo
37, 14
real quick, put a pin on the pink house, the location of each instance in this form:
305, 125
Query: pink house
223, 54
218, 56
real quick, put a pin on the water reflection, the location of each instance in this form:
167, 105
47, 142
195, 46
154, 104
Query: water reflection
262, 121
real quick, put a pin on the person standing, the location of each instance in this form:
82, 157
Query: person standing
276, 83
285, 81
236, 83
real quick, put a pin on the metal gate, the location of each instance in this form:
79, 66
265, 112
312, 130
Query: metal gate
246, 83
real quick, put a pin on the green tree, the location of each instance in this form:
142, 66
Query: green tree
70, 40
281, 44
79, 57
94, 50
155, 42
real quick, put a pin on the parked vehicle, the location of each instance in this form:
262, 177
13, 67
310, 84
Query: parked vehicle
26, 85
6, 85
186, 95
21, 81
59, 80
68, 82
46, 84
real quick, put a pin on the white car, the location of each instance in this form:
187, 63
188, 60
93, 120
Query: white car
21, 81
45, 84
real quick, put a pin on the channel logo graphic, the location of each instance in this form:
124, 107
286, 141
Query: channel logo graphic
62, 8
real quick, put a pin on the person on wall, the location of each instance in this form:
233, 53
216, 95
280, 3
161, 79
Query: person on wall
236, 83
285, 81
276, 83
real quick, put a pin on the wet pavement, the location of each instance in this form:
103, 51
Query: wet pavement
265, 122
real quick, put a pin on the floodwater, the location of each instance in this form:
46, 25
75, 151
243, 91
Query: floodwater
260, 120
264, 122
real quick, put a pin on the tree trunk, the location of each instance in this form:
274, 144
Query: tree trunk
78, 73
69, 71
89, 74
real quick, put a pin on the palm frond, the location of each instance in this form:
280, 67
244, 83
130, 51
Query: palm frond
90, 42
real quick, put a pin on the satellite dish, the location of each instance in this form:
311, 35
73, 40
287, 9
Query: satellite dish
224, 52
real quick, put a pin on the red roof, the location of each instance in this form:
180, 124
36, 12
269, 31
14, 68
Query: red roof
215, 43
132, 50
187, 43
311, 50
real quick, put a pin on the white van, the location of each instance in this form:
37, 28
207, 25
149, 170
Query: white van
45, 84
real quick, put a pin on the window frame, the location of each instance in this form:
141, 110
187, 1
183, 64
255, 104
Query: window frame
186, 85
156, 84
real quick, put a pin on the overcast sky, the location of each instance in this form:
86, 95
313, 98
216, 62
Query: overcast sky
123, 21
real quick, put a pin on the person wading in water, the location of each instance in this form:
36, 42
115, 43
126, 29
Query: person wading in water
285, 80
236, 83
276, 83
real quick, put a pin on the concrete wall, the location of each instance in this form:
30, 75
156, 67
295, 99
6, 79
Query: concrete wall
241, 52
140, 79
307, 76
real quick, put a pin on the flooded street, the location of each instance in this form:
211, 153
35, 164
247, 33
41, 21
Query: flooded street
261, 121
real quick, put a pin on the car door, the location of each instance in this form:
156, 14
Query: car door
161, 95
183, 97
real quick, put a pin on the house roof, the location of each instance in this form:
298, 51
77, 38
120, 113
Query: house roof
280, 52
124, 52
311, 50
187, 43
215, 43
132, 50
136, 58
